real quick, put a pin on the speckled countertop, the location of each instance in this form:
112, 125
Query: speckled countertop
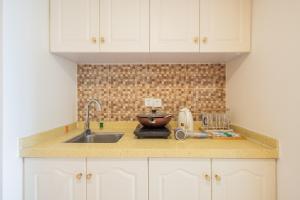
51, 144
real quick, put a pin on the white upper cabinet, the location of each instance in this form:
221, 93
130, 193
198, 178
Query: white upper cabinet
114, 179
225, 25
54, 179
174, 25
74, 25
243, 179
179, 179
208, 26
124, 25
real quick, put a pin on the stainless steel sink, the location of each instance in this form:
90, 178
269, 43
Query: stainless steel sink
103, 137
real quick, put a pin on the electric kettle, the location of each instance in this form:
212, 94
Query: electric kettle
185, 120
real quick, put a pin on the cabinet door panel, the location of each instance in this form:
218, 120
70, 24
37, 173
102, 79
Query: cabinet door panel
124, 25
244, 179
174, 25
49, 179
178, 179
74, 25
225, 25
117, 179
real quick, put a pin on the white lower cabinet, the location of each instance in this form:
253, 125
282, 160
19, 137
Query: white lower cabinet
179, 179
153, 179
243, 179
81, 179
54, 179
116, 179
219, 179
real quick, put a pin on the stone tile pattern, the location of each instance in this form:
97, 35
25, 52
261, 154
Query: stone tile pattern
122, 88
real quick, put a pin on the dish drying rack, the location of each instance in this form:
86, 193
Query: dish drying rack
215, 120
217, 124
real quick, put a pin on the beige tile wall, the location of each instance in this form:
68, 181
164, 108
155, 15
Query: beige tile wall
122, 88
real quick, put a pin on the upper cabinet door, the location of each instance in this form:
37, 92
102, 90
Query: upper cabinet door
174, 25
179, 179
114, 179
74, 25
225, 25
54, 179
238, 179
124, 25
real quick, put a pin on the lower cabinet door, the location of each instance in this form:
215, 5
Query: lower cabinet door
179, 179
117, 179
54, 179
246, 179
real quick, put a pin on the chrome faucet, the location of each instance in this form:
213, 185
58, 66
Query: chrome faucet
87, 130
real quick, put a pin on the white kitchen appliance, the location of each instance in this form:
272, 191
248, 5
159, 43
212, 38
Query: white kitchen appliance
185, 120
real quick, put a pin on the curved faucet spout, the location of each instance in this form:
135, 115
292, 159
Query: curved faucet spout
87, 118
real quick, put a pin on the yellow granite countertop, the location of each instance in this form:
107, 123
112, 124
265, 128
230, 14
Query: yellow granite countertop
51, 144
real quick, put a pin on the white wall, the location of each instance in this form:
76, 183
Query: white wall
264, 87
39, 88
1, 96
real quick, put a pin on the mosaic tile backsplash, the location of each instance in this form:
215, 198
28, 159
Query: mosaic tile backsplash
121, 89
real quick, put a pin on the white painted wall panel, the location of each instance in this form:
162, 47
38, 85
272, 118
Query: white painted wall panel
39, 88
263, 88
1, 93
